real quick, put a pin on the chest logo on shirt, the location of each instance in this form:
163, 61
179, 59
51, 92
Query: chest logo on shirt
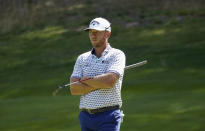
105, 62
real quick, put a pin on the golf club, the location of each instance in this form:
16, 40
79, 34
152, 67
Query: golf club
126, 67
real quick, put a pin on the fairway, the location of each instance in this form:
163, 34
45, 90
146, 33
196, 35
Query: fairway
158, 109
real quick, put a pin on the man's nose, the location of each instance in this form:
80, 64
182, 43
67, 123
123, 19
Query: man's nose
94, 33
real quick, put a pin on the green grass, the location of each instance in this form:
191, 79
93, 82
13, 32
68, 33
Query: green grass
166, 94
145, 110
39, 113
165, 110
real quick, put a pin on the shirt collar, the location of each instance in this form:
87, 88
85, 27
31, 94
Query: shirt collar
108, 47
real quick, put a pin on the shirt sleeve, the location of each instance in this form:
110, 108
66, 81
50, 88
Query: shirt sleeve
77, 71
117, 64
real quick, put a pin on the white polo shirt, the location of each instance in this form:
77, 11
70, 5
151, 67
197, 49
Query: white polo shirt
87, 64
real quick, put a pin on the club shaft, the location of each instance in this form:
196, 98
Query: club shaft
135, 65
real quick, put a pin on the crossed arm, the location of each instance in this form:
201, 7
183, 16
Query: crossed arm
98, 82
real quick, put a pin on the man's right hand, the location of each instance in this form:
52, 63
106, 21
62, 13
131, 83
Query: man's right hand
80, 88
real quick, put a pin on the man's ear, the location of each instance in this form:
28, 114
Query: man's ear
108, 34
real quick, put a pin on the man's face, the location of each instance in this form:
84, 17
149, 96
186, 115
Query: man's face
97, 38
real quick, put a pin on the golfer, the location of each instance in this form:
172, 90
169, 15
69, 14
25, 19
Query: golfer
103, 66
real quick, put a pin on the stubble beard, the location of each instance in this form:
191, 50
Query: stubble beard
98, 44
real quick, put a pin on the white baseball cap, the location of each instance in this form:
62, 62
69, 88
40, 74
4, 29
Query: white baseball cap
100, 24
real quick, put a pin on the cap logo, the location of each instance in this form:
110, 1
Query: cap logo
95, 23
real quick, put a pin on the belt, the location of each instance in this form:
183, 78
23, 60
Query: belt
93, 111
